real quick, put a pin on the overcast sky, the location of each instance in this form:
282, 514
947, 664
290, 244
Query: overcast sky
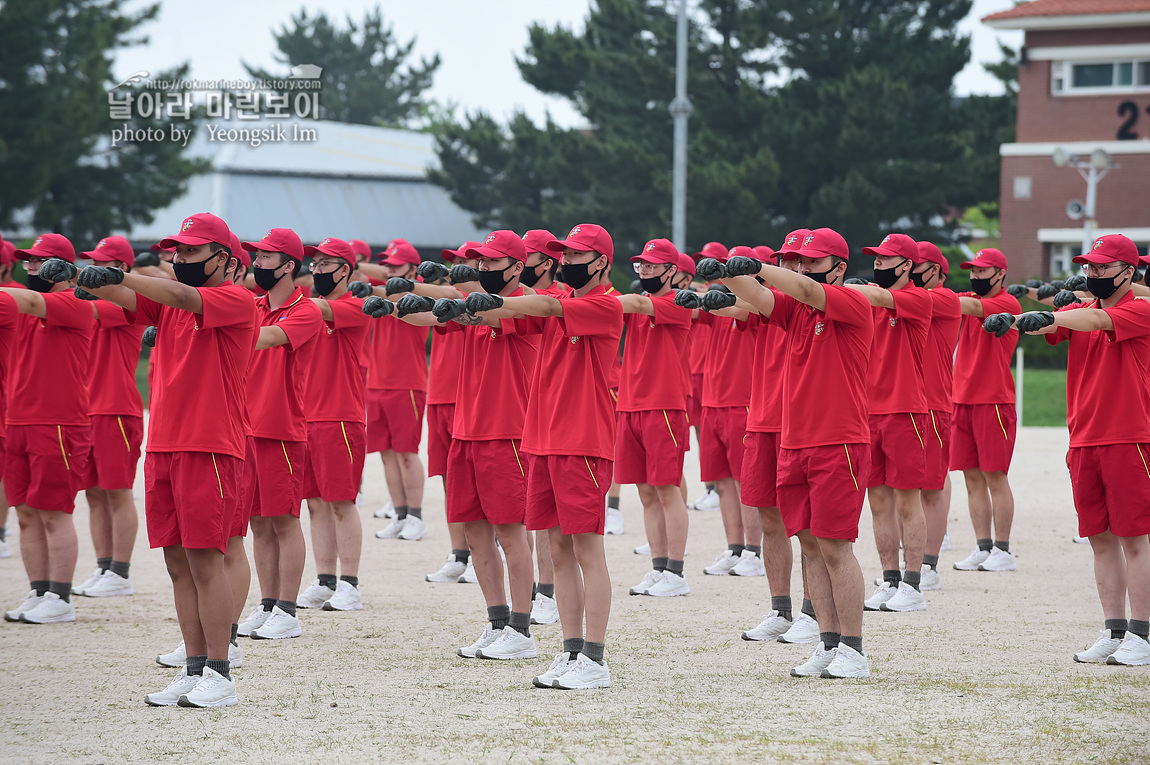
477, 39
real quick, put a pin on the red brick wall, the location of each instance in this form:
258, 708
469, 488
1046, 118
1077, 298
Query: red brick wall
1045, 117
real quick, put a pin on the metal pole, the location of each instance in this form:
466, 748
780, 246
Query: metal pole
681, 110
1019, 364
1088, 224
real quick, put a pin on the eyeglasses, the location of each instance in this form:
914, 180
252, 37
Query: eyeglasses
1100, 269
651, 268
327, 264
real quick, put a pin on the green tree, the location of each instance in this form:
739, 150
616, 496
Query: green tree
56, 153
366, 77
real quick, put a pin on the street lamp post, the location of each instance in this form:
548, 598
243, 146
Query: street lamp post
680, 110
1092, 169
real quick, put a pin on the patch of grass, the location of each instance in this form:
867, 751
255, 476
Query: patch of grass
1044, 397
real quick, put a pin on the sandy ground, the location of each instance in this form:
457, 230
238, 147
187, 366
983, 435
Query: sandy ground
984, 675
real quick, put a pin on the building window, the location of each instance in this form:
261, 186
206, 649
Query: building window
1099, 77
1060, 259
1022, 187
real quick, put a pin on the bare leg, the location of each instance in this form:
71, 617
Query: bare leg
979, 501
33, 543
100, 521
62, 545
513, 540
1002, 500
214, 599
125, 523
731, 509
394, 477
187, 601
752, 523
411, 473
349, 537
266, 552
291, 553
239, 576
935, 508
568, 584
846, 584
1137, 552
778, 557
654, 520
819, 581
908, 503
1110, 574
886, 531
675, 520
596, 582
543, 557
486, 561
683, 489
323, 545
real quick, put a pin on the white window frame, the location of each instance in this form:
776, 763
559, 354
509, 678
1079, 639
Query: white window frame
1064, 71
1060, 259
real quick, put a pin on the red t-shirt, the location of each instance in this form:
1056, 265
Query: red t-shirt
895, 378
570, 410
9, 327
982, 363
197, 402
938, 360
767, 368
276, 376
1107, 397
727, 370
654, 346
555, 290
825, 374
334, 389
115, 354
49, 363
446, 351
398, 358
700, 336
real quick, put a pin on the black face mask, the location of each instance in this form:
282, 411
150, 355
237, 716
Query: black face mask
821, 276
653, 284
195, 274
36, 284
1103, 288
531, 275
266, 277
886, 277
981, 287
576, 275
919, 277
494, 282
323, 284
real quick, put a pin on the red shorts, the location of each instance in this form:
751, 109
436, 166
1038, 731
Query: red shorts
1111, 485
115, 452
759, 487
820, 490
568, 492
335, 456
488, 482
191, 498
275, 471
721, 442
982, 437
440, 418
898, 450
937, 449
395, 420
46, 465
649, 446
695, 401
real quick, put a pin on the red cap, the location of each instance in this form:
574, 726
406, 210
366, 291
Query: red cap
51, 246
793, 242
337, 248
198, 229
358, 246
822, 242
500, 244
658, 251
714, 250
988, 258
1111, 248
536, 240
894, 246
766, 254
7, 253
240, 253
399, 253
586, 237
686, 263
286, 241
392, 243
112, 248
742, 251
450, 255
157, 248
929, 253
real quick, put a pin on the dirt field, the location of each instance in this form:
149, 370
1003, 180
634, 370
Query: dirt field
984, 675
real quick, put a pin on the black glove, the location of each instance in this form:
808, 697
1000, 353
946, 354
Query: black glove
854, 280
1034, 321
998, 323
1018, 290
1034, 283
397, 284
1047, 291
377, 307
446, 309
709, 269
1075, 283
413, 304
741, 265
57, 270
462, 274
84, 294
714, 300
430, 271
688, 299
94, 277
146, 259
636, 287
1065, 298
477, 302
360, 290
1059, 284
149, 338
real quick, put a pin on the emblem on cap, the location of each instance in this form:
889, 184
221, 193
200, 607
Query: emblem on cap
1097, 243
792, 239
819, 327
885, 239
574, 231
37, 242
269, 233
187, 224
490, 238
810, 238
650, 246
325, 241
102, 243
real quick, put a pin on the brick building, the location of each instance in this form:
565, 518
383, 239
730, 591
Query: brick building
1083, 84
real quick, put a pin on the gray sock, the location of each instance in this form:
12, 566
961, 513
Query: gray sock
462, 555
40, 586
659, 564
499, 616
120, 568
1140, 628
221, 666
103, 564
593, 651
613, 502
736, 550
572, 646
808, 608
892, 577
521, 623
63, 589
400, 512
416, 512
325, 580
930, 560
853, 641
235, 633
287, 606
1117, 628
985, 545
675, 566
709, 486
913, 578
830, 639
547, 589
352, 580
782, 604
267, 604
1004, 546
196, 665
756, 549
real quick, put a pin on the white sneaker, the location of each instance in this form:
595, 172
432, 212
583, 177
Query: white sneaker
346, 598
559, 666
1080, 540
930, 579
906, 598
469, 576
749, 565
584, 674
83, 588
450, 571
1133, 652
945, 543
177, 658
814, 666
972, 561
253, 621
708, 502
387, 511
280, 624
359, 500
110, 585
998, 560
170, 696
847, 663
413, 530
723, 564
511, 644
30, 601
5, 549
643, 549
488, 637
544, 610
314, 596
213, 690
670, 585
392, 530
235, 656
649, 580
614, 523
770, 628
882, 594
52, 609
804, 630
1098, 653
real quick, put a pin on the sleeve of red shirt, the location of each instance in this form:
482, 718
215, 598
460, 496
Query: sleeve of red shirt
147, 312
111, 315
348, 313
8, 310
784, 309
912, 305
63, 309
846, 306
590, 316
1062, 334
753, 322
1003, 302
666, 312
302, 324
226, 307
1131, 319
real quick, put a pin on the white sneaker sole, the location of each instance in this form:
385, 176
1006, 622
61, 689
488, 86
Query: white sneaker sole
537, 620
329, 607
583, 686
291, 634
859, 674
99, 594
672, 594
902, 610
527, 654
804, 641
227, 701
62, 618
